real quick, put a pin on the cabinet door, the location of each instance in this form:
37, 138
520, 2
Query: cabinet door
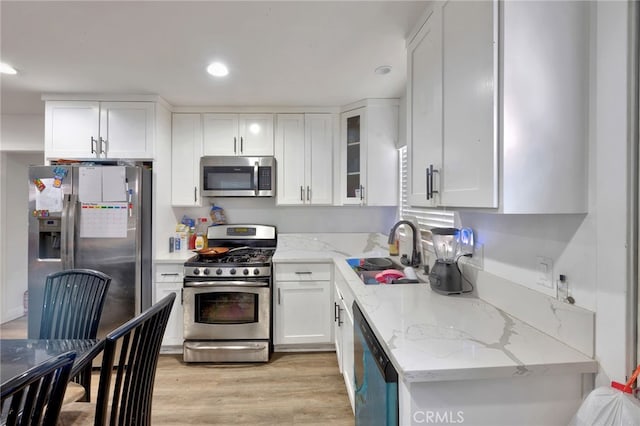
319, 158
346, 316
220, 134
72, 129
381, 153
256, 134
186, 149
424, 98
469, 158
353, 154
302, 312
290, 159
173, 335
126, 130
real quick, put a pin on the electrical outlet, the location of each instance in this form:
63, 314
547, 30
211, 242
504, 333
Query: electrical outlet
544, 267
477, 260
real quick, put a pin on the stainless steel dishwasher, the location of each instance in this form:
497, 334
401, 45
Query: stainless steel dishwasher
376, 381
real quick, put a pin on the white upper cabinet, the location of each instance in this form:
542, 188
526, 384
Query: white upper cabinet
99, 130
304, 156
544, 107
238, 134
469, 161
512, 127
424, 110
186, 150
369, 156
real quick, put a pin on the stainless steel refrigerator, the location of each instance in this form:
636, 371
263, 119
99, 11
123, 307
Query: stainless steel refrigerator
94, 217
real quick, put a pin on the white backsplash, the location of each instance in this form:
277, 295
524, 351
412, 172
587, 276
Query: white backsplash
570, 324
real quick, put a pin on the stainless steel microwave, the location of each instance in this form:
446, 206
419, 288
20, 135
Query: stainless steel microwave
238, 176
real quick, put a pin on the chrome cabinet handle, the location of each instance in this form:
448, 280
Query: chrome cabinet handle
93, 142
195, 194
101, 146
308, 193
426, 187
361, 192
301, 193
166, 274
278, 296
235, 145
241, 145
430, 172
304, 273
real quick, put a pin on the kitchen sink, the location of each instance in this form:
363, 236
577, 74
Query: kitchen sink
368, 268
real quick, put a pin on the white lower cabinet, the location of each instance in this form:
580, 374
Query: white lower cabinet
302, 305
343, 332
168, 279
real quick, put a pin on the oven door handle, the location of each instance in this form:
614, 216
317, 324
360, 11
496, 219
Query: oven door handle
201, 346
214, 284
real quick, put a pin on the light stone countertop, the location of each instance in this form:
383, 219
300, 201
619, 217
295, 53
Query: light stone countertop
432, 337
175, 257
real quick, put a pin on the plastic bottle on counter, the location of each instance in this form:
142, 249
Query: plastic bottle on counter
201, 234
192, 238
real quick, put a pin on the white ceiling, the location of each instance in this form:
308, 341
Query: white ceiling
292, 53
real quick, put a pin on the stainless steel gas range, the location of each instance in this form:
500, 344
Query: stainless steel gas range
227, 296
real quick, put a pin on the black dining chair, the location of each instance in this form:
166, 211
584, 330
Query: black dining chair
73, 303
35, 397
127, 373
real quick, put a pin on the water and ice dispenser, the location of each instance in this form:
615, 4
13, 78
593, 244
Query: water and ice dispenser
49, 234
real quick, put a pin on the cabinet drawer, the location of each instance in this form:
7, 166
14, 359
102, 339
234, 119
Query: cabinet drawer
169, 273
303, 271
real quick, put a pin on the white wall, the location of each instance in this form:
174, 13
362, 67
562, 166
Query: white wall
13, 241
612, 191
22, 132
301, 219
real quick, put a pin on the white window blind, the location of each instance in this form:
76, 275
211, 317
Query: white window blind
427, 218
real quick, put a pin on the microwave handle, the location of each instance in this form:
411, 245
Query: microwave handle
255, 177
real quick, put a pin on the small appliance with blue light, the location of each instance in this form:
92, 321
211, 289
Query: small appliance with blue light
450, 244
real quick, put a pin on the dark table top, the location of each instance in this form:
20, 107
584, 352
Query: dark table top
19, 355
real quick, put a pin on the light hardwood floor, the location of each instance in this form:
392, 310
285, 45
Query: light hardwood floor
292, 389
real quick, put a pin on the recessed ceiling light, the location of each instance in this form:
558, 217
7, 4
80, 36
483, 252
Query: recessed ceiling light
7, 69
383, 69
217, 69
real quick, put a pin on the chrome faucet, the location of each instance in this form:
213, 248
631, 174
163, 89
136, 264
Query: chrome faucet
415, 256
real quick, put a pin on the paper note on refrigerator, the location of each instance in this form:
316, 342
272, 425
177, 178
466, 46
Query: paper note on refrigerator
90, 184
114, 186
103, 220
50, 198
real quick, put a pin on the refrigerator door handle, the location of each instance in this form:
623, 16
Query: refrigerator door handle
71, 231
64, 235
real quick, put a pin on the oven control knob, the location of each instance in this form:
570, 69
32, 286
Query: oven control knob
232, 271
245, 271
196, 271
256, 271
218, 271
206, 271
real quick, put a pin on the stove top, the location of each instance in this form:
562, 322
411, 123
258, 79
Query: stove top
237, 257
251, 248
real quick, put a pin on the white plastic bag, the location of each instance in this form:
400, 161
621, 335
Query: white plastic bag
606, 406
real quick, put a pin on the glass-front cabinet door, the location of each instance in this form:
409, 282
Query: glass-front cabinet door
353, 155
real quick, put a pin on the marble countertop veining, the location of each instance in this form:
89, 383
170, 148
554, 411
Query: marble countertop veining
432, 337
